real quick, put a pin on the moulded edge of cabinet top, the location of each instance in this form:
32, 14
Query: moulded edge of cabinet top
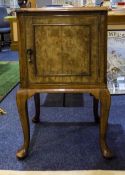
57, 9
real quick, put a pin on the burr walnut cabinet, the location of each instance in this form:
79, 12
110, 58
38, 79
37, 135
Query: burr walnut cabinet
63, 50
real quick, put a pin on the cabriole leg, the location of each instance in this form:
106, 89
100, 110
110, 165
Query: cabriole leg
95, 109
37, 108
21, 99
105, 101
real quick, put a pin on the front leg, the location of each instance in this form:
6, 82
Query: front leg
105, 101
37, 108
21, 99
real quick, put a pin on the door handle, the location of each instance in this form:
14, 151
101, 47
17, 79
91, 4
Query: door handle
29, 54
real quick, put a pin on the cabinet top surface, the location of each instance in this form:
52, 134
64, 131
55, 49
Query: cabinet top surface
58, 9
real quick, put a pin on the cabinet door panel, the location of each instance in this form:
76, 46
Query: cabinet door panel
65, 50
75, 47
48, 50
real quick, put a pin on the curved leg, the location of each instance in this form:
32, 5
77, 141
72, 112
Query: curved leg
95, 110
21, 99
105, 106
37, 108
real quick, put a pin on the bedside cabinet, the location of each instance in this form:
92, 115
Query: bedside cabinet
63, 50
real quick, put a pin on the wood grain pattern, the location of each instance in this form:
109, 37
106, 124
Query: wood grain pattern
66, 49
63, 50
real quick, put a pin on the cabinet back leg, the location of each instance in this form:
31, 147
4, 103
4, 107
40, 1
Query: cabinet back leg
95, 109
36, 118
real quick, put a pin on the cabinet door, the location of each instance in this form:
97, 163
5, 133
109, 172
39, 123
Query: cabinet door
65, 49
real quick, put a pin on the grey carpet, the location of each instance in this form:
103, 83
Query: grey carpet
66, 138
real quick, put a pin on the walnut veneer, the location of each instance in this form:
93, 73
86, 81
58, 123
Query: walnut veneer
63, 50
